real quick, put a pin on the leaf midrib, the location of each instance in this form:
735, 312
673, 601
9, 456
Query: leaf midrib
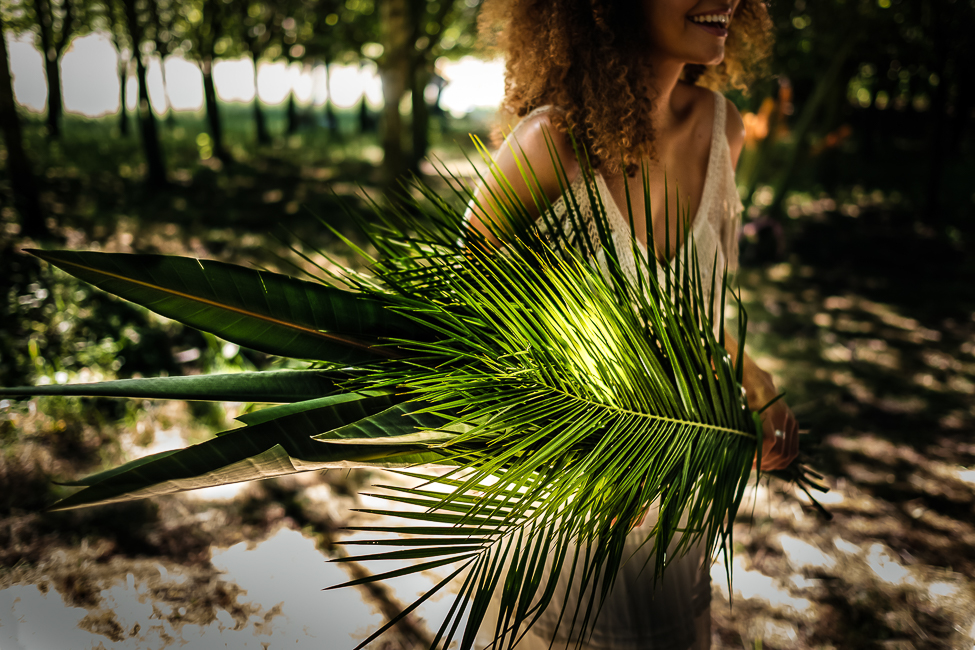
651, 416
270, 319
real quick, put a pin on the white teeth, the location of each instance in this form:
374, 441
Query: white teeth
721, 19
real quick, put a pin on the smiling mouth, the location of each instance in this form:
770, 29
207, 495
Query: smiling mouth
716, 24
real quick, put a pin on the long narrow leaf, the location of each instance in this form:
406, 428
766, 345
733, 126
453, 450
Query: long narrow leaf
273, 313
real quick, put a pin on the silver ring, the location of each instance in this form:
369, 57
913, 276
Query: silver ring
779, 433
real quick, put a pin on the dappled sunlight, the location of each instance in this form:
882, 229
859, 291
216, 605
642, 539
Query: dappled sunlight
801, 554
886, 568
751, 584
884, 384
829, 581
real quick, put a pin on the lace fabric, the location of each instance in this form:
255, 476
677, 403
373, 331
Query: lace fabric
714, 229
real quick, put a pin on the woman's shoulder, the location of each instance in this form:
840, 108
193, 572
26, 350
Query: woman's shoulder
711, 105
529, 142
537, 135
534, 139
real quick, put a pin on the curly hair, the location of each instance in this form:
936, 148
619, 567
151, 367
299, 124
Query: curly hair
585, 56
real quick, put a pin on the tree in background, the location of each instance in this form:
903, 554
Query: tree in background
394, 70
156, 167
872, 76
18, 164
207, 28
161, 15
54, 24
57, 22
347, 32
255, 21
297, 26
444, 28
330, 42
414, 33
110, 20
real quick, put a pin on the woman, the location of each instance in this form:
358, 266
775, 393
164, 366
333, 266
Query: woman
628, 78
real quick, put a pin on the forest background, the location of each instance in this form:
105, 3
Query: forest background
858, 177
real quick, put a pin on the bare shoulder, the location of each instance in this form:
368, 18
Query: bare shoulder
735, 132
531, 143
534, 140
696, 103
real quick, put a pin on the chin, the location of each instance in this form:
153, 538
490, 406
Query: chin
712, 57
716, 60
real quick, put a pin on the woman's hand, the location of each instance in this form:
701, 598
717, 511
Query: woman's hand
780, 431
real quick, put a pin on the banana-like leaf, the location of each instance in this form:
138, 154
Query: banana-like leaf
265, 311
274, 448
280, 386
276, 412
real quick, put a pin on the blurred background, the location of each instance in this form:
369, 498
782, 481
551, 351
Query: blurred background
227, 128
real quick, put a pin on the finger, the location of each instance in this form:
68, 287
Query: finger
780, 450
795, 438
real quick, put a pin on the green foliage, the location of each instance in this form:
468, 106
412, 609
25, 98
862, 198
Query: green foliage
865, 88
566, 396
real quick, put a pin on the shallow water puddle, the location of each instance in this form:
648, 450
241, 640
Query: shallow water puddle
283, 606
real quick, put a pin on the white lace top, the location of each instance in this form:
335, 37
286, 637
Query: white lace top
714, 228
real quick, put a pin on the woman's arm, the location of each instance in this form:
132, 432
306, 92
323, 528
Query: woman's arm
777, 451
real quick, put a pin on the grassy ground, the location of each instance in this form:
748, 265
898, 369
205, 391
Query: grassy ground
874, 343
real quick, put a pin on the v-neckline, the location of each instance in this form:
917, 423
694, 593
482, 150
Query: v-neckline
624, 223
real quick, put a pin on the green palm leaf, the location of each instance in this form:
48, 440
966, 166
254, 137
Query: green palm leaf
270, 386
277, 447
265, 311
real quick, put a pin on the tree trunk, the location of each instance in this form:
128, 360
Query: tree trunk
52, 66
52, 69
213, 111
123, 113
263, 137
156, 177
156, 167
394, 73
331, 120
123, 70
170, 114
292, 113
421, 116
19, 167
161, 50
366, 124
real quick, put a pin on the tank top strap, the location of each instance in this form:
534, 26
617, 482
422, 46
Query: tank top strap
720, 157
726, 205
541, 110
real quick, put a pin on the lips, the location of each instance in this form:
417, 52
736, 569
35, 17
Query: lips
712, 28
